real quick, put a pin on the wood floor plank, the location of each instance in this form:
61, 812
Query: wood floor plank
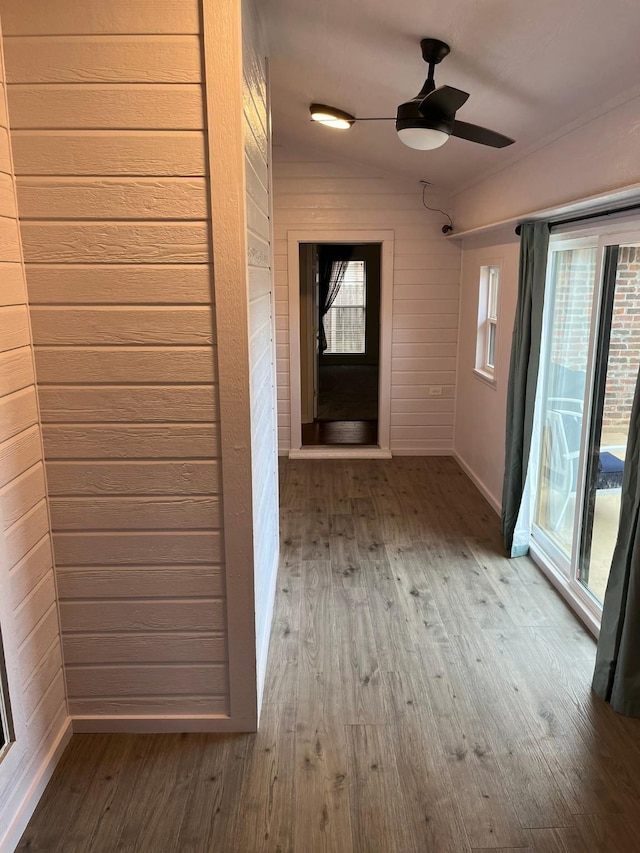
587, 784
111, 824
536, 798
353, 637
265, 819
211, 808
609, 833
394, 634
482, 793
318, 651
377, 811
284, 647
101, 792
322, 817
433, 816
68, 786
558, 841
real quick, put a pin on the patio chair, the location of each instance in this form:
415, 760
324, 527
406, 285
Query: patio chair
563, 436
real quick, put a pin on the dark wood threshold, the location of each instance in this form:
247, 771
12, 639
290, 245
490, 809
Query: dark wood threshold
353, 433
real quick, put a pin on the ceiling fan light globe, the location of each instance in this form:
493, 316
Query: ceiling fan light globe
422, 138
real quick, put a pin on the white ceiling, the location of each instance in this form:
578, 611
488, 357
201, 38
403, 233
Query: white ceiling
532, 67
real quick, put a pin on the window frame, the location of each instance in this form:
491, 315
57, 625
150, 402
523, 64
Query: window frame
488, 321
330, 319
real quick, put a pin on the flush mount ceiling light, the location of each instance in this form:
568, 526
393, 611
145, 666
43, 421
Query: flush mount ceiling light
331, 117
428, 120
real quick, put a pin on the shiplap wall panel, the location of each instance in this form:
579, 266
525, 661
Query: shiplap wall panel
29, 571
105, 106
109, 134
42, 679
134, 706
7, 196
14, 291
18, 411
257, 159
103, 59
149, 582
103, 477
119, 285
131, 648
21, 536
161, 365
16, 368
130, 441
109, 153
113, 198
58, 325
159, 547
14, 326
140, 615
130, 680
179, 513
115, 242
133, 403
9, 239
23, 493
338, 196
44, 18
19, 453
28, 612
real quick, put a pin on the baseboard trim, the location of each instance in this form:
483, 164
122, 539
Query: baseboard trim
493, 502
162, 725
336, 452
35, 791
263, 641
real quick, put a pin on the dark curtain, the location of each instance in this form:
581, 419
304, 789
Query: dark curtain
523, 370
617, 673
332, 266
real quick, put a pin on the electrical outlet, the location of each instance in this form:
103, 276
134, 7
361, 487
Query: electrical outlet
435, 390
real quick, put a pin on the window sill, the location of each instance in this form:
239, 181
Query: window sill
488, 378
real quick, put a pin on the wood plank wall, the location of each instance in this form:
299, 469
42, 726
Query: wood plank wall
106, 105
333, 196
28, 609
264, 441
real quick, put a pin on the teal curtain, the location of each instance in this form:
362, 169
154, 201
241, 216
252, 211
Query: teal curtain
523, 371
617, 673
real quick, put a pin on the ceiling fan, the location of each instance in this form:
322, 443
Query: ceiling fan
428, 120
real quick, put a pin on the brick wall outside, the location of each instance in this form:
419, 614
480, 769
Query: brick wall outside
575, 273
624, 351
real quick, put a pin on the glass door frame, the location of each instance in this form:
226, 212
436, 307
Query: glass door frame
565, 574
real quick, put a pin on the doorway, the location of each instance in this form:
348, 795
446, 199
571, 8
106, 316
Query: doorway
340, 343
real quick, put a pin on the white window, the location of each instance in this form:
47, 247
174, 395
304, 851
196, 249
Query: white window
487, 321
345, 321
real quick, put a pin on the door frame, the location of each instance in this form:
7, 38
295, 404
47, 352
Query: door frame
386, 240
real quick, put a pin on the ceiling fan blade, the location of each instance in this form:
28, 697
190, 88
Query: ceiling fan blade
475, 133
445, 100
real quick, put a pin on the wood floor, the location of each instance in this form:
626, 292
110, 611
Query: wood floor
424, 694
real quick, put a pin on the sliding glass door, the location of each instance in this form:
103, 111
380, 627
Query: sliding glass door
590, 361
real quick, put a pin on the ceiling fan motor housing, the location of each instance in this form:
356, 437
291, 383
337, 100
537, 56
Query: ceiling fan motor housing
409, 115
